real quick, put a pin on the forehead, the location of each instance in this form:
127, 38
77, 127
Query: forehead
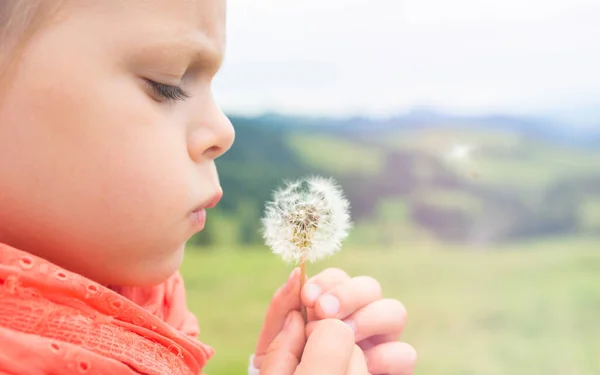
202, 20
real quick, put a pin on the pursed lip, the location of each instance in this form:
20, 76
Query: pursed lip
209, 203
198, 215
214, 200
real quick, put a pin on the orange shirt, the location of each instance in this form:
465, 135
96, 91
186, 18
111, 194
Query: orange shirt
53, 321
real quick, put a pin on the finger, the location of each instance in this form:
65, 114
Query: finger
348, 297
328, 349
375, 340
319, 284
310, 314
322, 283
382, 317
286, 299
358, 364
311, 326
283, 355
393, 358
364, 344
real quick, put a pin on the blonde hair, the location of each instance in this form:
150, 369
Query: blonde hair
19, 21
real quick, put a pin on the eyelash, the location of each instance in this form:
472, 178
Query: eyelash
167, 92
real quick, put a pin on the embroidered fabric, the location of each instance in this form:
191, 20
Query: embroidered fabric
53, 321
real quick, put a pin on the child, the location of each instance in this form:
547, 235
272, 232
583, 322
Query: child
108, 136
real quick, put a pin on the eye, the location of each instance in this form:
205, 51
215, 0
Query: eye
166, 92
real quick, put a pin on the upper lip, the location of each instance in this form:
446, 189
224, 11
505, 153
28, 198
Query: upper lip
211, 202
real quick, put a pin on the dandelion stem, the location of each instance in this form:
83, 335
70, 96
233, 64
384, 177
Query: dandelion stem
302, 281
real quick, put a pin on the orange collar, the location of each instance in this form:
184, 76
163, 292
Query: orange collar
56, 321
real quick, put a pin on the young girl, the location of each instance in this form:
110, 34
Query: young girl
108, 136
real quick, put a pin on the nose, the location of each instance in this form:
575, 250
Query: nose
211, 134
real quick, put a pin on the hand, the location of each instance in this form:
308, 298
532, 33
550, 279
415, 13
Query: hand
330, 350
377, 322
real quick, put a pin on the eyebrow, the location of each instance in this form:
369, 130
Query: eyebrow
206, 53
201, 51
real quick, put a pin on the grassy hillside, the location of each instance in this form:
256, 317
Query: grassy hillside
527, 309
499, 157
336, 155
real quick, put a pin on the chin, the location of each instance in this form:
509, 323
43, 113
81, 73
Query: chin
149, 272
161, 271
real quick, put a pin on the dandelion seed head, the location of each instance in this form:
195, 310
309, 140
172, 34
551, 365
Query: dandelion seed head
306, 220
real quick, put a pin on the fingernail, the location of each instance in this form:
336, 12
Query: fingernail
313, 291
330, 305
350, 324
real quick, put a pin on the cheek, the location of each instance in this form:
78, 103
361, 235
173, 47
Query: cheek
130, 158
96, 158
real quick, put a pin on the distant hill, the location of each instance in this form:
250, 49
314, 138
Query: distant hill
537, 127
470, 180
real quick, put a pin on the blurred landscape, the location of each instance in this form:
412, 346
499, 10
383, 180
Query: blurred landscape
487, 228
470, 181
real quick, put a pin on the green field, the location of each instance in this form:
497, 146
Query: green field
527, 309
499, 158
335, 155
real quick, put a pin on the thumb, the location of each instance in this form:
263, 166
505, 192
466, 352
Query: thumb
286, 299
285, 351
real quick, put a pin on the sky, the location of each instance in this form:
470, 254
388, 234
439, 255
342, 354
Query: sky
383, 57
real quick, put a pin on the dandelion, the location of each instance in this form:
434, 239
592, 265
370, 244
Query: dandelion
306, 221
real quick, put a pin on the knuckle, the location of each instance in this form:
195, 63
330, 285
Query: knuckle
370, 282
335, 273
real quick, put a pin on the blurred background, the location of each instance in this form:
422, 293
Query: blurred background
466, 135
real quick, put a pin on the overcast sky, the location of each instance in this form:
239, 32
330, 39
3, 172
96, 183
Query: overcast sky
380, 57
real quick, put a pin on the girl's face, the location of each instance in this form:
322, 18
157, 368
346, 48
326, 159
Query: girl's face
108, 136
